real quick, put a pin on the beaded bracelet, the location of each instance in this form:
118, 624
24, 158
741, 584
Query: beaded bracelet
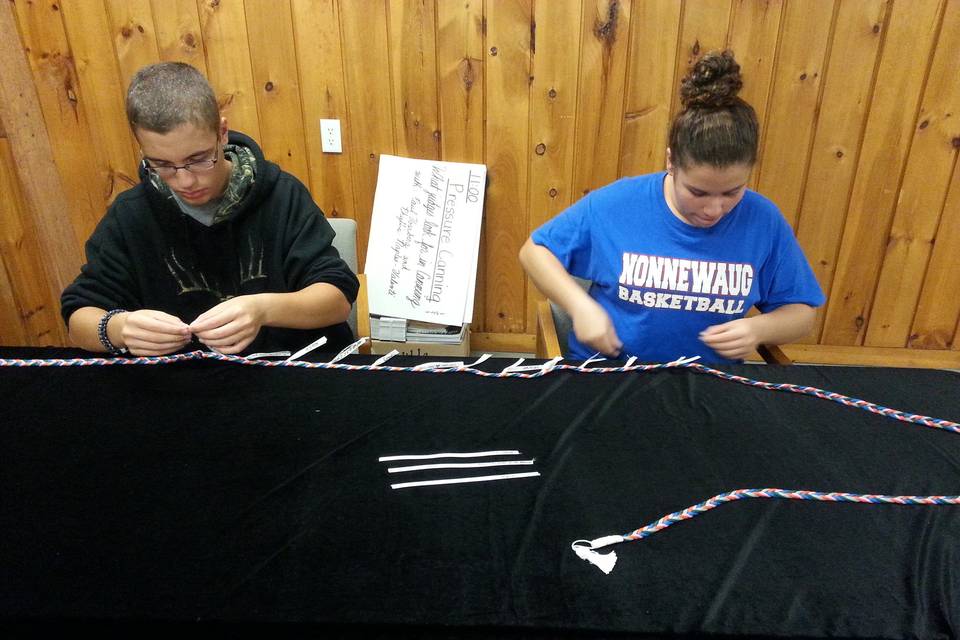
102, 333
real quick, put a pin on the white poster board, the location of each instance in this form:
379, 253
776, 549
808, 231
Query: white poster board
424, 239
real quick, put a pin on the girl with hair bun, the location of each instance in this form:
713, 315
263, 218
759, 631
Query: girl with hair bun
677, 258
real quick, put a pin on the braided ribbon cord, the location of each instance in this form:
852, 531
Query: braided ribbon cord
512, 371
586, 549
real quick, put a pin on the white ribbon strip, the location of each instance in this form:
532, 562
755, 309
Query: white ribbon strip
546, 367
349, 350
435, 366
307, 349
594, 358
381, 360
459, 465
272, 354
431, 456
426, 483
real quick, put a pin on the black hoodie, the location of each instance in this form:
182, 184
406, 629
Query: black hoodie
147, 254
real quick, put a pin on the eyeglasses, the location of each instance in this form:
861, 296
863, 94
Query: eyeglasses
170, 170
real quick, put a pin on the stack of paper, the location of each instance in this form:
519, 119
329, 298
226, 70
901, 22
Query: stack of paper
433, 333
422, 255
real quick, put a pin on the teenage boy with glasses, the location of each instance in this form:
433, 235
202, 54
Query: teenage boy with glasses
215, 245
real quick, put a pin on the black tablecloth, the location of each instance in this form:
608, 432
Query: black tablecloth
218, 494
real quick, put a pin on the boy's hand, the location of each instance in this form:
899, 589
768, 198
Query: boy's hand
230, 326
150, 333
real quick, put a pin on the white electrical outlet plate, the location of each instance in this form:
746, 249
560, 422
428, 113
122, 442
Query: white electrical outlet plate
330, 136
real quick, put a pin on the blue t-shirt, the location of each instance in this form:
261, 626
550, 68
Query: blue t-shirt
664, 281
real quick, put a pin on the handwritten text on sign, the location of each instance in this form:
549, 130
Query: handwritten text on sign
422, 255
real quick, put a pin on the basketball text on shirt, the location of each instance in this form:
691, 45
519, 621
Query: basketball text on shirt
667, 283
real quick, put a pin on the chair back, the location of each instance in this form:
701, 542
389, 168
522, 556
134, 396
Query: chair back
563, 322
345, 242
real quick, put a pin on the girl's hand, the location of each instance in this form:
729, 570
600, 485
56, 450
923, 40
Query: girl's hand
592, 326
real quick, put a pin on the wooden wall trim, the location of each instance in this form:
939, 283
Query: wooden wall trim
41, 187
511, 342
873, 356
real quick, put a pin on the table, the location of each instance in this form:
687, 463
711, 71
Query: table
208, 495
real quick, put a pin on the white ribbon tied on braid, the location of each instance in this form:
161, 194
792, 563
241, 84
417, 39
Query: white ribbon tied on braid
440, 366
543, 369
587, 550
349, 350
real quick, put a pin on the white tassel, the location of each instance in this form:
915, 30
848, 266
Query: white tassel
586, 550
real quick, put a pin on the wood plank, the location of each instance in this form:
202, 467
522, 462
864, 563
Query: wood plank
12, 332
459, 63
47, 208
833, 158
605, 34
553, 90
704, 27
12, 329
935, 325
753, 39
363, 313
223, 26
922, 194
793, 106
548, 342
413, 30
366, 66
32, 299
872, 356
489, 342
654, 39
179, 38
274, 63
507, 138
553, 96
62, 117
460, 59
956, 336
134, 36
906, 51
321, 87
101, 92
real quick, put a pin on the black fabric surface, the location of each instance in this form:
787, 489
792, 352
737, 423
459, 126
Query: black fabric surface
226, 494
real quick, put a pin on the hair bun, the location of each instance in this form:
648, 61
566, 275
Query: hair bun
713, 82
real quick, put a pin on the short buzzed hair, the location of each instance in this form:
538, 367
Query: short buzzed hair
165, 95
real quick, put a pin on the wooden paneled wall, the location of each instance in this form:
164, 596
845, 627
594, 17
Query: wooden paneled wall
859, 102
